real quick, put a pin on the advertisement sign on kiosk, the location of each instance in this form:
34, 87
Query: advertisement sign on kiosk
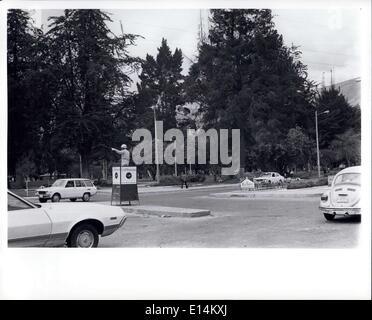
124, 185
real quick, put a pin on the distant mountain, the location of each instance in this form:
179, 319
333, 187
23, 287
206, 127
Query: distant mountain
351, 90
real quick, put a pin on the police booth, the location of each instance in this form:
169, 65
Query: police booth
124, 185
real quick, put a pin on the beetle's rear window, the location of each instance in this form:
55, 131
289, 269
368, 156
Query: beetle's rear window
352, 178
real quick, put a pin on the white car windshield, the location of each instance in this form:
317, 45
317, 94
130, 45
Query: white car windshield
353, 178
58, 183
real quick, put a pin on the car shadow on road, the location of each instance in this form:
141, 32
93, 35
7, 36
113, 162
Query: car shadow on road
352, 219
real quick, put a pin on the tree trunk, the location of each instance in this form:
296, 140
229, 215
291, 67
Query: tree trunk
85, 165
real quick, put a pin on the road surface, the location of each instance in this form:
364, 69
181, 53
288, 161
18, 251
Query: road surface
235, 222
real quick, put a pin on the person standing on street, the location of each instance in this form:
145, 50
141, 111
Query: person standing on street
184, 180
124, 154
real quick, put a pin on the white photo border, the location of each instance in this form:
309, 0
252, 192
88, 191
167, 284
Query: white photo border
125, 273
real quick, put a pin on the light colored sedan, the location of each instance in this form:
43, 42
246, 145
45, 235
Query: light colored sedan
73, 189
343, 198
270, 178
49, 225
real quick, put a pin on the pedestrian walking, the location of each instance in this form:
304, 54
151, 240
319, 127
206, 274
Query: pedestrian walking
184, 180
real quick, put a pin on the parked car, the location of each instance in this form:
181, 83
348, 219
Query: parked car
343, 198
49, 225
270, 178
72, 189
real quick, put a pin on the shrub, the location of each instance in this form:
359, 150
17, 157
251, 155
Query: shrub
302, 174
169, 180
196, 178
308, 183
103, 183
229, 179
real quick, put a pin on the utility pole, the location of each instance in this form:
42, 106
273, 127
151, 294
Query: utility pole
175, 157
317, 142
80, 166
317, 139
156, 145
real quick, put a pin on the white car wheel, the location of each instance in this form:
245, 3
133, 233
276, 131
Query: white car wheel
85, 239
83, 236
56, 197
329, 216
86, 197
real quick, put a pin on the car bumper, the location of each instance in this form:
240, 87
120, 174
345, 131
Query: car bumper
341, 211
112, 228
43, 196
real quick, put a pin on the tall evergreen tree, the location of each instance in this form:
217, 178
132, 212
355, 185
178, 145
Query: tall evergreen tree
93, 68
246, 78
341, 117
20, 46
160, 77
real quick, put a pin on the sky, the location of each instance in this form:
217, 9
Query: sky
329, 39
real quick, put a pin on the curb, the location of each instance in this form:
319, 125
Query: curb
265, 195
166, 211
173, 188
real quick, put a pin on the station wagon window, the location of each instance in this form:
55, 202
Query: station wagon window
58, 183
353, 178
69, 184
79, 184
88, 183
16, 204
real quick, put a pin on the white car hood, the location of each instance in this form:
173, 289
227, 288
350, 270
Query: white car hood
79, 211
48, 189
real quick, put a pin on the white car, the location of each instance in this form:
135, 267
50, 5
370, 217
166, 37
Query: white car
72, 189
343, 198
49, 225
270, 178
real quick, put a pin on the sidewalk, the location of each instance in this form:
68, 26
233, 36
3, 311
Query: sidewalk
274, 193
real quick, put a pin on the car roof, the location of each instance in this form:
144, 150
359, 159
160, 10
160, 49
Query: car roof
355, 169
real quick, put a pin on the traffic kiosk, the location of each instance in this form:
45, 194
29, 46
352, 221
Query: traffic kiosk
124, 185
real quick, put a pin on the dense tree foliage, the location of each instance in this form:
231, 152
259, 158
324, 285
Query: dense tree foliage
90, 63
160, 86
21, 41
340, 118
247, 78
70, 97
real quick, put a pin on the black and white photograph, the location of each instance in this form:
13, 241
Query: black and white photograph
198, 128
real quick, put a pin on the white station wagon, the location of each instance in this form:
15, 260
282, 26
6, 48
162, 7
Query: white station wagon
343, 198
49, 225
72, 189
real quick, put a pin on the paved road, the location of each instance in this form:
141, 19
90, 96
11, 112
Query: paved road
236, 222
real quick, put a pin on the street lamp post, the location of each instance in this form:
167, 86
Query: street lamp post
156, 144
317, 139
175, 157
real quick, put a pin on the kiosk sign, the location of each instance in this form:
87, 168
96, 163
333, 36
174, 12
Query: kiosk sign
124, 184
116, 175
128, 175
